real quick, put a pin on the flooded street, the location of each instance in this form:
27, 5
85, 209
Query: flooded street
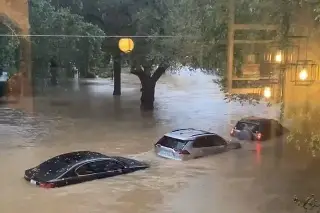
87, 117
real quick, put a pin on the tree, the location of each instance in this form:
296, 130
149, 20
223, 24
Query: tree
112, 18
45, 19
199, 28
305, 132
152, 56
9, 49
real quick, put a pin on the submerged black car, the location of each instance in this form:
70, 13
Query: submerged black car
260, 129
81, 166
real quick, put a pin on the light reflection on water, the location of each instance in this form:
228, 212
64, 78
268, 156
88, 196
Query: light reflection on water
90, 118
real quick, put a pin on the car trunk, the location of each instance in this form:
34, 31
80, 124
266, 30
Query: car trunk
171, 148
44, 173
32, 176
241, 127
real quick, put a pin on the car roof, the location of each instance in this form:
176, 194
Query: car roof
60, 164
255, 119
187, 134
72, 158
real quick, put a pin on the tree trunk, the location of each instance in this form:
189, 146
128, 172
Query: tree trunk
147, 93
148, 84
117, 74
54, 76
39, 76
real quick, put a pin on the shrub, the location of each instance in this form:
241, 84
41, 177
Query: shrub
305, 129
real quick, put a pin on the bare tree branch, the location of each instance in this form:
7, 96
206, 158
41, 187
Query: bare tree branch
159, 72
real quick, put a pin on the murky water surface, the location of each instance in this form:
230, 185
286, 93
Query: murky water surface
87, 117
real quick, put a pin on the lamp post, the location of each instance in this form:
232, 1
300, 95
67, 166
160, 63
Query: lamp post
282, 86
125, 45
280, 58
231, 32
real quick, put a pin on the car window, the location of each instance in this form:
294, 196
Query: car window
247, 125
203, 142
217, 140
172, 143
98, 167
51, 169
69, 174
58, 165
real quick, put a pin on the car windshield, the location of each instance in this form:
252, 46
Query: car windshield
56, 166
172, 142
51, 169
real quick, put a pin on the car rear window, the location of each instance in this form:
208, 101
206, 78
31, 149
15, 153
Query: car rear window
56, 166
172, 142
50, 169
251, 126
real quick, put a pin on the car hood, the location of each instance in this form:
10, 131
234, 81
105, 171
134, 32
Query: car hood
132, 163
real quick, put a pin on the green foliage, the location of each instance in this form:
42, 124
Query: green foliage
198, 30
139, 18
305, 129
253, 99
8, 48
45, 19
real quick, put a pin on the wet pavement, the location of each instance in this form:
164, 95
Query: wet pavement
87, 117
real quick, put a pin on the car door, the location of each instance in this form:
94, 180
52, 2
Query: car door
265, 130
216, 143
114, 168
68, 178
199, 147
99, 169
205, 146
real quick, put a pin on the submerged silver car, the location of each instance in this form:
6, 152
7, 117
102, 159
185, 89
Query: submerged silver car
185, 144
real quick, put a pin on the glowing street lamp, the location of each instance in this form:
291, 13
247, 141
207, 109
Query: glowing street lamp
267, 92
278, 57
303, 75
126, 45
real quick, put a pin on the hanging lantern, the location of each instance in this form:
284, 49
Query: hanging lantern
303, 74
126, 45
267, 92
275, 54
279, 57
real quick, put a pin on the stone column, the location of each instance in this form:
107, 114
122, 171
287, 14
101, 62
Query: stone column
17, 11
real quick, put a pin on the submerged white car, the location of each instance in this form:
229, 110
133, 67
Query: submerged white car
185, 144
